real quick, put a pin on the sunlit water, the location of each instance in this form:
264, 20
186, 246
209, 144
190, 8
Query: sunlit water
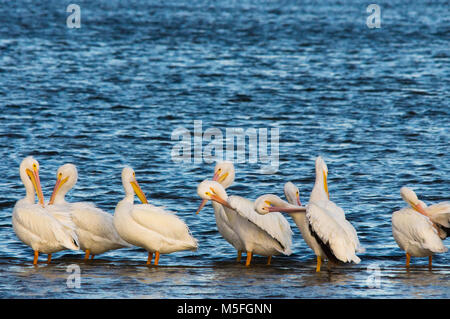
372, 102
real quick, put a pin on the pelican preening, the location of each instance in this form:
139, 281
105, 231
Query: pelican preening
33, 223
144, 225
254, 227
419, 229
262, 235
322, 223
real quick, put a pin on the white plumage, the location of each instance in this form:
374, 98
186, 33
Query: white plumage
334, 230
338, 238
418, 229
415, 234
275, 225
292, 195
262, 235
147, 226
94, 227
33, 224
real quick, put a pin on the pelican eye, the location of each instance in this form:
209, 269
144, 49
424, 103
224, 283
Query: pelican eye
207, 193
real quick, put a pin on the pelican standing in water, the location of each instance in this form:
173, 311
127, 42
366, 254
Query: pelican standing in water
94, 227
144, 225
299, 216
33, 224
224, 174
327, 224
419, 229
262, 235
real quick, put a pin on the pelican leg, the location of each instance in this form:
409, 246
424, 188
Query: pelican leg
36, 255
319, 263
86, 257
430, 259
156, 258
249, 258
49, 258
239, 256
92, 256
269, 259
149, 259
408, 259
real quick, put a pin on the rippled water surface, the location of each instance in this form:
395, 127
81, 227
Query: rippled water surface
373, 102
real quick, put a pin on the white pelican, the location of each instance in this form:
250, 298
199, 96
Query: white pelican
147, 226
33, 224
262, 235
94, 227
419, 229
335, 235
224, 174
299, 216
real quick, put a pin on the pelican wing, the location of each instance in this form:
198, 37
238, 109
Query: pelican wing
165, 224
334, 231
440, 213
273, 224
417, 229
45, 226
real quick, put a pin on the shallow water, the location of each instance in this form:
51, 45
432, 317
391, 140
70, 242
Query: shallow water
372, 102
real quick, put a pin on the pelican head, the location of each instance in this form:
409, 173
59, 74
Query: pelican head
66, 178
29, 173
224, 173
410, 197
212, 190
130, 184
292, 194
272, 203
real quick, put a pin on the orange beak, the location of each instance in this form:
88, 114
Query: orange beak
140, 194
299, 203
58, 184
202, 204
220, 200
34, 176
287, 210
419, 208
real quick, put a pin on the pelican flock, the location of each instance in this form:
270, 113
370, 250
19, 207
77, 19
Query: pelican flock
261, 235
33, 223
322, 223
254, 227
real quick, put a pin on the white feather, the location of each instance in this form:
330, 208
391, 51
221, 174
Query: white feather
415, 234
334, 231
37, 228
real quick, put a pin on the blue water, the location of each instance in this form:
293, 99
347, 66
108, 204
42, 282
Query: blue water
373, 102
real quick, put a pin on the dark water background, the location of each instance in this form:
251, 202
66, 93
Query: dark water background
373, 102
